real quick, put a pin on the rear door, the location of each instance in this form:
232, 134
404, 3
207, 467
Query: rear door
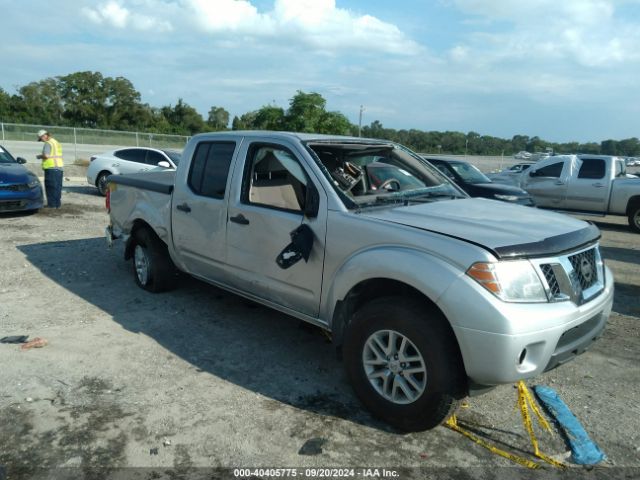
130, 160
266, 203
589, 190
547, 183
199, 210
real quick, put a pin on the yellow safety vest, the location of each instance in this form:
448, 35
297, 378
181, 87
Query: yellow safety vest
54, 159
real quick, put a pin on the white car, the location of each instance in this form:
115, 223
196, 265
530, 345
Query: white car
511, 175
522, 155
129, 160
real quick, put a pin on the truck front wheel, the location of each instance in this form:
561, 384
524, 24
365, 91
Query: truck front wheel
634, 218
403, 363
153, 269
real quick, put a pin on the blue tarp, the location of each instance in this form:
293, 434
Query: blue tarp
584, 450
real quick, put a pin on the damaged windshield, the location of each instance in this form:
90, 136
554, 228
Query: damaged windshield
367, 174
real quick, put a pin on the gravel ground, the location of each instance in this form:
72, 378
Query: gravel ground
176, 385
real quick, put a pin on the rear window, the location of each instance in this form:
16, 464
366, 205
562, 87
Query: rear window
132, 154
210, 168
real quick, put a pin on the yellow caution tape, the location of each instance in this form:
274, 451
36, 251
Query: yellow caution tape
525, 400
452, 423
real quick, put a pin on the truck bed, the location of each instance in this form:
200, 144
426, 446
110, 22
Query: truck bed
161, 181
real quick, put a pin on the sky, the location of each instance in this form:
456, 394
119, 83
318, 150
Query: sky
563, 70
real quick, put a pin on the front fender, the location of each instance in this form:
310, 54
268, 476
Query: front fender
425, 272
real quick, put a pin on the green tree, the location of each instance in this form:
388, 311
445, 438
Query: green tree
608, 147
218, 119
183, 118
245, 121
334, 123
84, 97
122, 107
41, 103
305, 112
269, 118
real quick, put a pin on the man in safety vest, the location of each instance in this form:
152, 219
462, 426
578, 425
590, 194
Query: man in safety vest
52, 165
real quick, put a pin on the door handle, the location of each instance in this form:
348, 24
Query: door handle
184, 207
559, 182
597, 185
241, 219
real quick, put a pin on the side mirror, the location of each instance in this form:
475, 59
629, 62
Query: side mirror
533, 173
311, 201
299, 248
21, 160
164, 164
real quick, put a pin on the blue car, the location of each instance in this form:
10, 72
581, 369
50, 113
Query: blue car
20, 189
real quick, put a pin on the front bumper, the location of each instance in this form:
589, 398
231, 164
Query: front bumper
520, 341
21, 201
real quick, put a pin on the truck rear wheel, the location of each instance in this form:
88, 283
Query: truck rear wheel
153, 269
634, 218
403, 363
101, 183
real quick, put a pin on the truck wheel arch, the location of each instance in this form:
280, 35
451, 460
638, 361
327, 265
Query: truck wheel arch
130, 245
633, 213
368, 290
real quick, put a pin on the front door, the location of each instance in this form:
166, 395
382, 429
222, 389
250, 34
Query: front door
547, 184
262, 213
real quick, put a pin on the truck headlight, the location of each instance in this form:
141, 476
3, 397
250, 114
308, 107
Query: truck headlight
33, 182
511, 281
506, 198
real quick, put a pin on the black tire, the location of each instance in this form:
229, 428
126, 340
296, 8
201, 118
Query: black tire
158, 274
101, 183
428, 334
634, 218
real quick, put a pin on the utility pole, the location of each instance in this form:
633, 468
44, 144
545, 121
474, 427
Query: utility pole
360, 121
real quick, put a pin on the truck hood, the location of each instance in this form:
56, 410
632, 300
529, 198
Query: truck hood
506, 230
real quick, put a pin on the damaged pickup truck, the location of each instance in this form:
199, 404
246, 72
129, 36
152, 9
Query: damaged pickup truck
429, 295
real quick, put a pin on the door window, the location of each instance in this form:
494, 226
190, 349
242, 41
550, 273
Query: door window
153, 158
592, 168
210, 168
132, 154
553, 171
274, 178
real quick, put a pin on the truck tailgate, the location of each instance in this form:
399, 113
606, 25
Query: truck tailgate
142, 197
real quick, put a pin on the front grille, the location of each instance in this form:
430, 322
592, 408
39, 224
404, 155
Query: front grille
11, 205
550, 276
584, 267
578, 277
18, 187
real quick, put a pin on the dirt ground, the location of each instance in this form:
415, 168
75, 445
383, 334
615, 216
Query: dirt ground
190, 383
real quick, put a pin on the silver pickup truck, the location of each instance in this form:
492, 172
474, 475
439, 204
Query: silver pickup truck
429, 295
593, 184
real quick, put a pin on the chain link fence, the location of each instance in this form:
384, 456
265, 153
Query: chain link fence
87, 136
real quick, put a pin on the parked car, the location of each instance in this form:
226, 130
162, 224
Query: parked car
594, 184
522, 155
511, 175
20, 188
476, 183
430, 295
129, 160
